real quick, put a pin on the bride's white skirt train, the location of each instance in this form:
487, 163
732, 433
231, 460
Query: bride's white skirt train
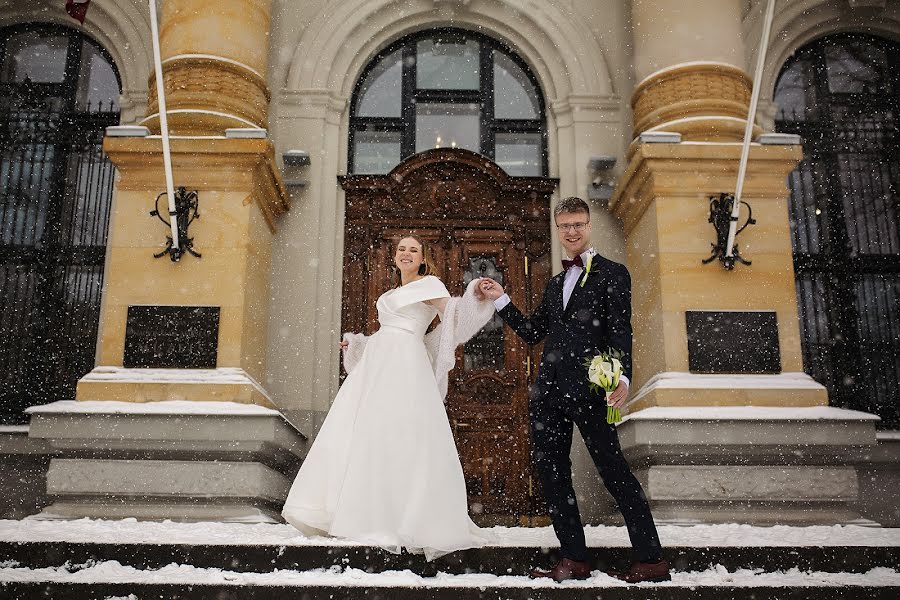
384, 469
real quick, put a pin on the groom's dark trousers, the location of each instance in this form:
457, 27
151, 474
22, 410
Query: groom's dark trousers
596, 318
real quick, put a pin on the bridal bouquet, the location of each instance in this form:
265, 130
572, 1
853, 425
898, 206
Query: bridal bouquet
603, 373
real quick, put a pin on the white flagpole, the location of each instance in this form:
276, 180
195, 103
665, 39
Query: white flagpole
748, 130
163, 123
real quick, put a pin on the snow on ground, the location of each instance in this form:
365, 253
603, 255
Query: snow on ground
114, 572
131, 531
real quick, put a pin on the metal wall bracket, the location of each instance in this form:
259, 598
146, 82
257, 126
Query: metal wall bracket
720, 216
186, 211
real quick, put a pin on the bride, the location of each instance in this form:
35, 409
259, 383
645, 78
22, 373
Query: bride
384, 469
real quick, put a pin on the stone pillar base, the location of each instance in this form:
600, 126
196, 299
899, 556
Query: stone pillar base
692, 389
159, 385
754, 465
187, 461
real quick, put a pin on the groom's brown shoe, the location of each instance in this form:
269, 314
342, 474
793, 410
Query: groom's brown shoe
564, 570
642, 571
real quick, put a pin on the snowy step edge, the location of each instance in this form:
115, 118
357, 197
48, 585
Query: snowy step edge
112, 572
497, 561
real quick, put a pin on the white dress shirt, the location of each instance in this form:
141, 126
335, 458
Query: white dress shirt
569, 282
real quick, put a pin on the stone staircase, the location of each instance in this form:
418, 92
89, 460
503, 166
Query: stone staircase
336, 572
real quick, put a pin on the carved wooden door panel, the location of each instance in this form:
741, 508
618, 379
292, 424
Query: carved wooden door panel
487, 398
479, 222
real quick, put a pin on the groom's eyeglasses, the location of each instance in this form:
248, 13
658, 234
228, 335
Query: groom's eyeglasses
572, 227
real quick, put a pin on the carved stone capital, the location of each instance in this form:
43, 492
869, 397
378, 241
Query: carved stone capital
207, 94
702, 101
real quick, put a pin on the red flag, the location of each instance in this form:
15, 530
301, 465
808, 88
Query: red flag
77, 9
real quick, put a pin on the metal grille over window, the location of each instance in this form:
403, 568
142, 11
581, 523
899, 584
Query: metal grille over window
841, 94
485, 350
58, 93
448, 88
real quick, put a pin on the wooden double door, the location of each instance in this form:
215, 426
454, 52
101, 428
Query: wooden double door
478, 222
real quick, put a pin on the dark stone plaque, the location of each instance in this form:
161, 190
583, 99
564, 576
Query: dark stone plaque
172, 337
733, 342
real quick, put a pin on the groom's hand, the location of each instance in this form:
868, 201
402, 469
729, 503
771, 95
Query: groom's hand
619, 395
490, 288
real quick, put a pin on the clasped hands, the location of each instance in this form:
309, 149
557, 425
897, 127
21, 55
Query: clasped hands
488, 288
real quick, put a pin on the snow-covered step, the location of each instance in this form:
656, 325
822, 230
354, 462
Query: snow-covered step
495, 560
111, 580
87, 559
262, 548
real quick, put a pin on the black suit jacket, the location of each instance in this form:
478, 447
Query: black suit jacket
597, 317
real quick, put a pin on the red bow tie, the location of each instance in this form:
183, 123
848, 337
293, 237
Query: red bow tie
575, 262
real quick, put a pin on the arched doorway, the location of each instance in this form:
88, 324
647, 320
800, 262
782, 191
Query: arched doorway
480, 221
841, 94
59, 90
448, 139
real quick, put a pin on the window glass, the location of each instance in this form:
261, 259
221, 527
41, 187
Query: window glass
97, 82
514, 95
795, 93
376, 152
37, 56
519, 153
444, 65
379, 94
856, 68
444, 125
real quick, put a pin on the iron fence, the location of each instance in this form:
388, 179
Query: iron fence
846, 241
55, 192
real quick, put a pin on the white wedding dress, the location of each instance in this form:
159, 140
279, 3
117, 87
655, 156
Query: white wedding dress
384, 469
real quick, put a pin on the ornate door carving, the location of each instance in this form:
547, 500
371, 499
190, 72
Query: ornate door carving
480, 222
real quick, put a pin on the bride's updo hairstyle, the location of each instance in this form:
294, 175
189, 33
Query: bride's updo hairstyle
426, 268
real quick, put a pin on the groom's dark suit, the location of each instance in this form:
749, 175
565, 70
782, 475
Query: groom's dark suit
597, 317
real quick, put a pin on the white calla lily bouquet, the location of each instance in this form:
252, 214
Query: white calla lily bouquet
604, 371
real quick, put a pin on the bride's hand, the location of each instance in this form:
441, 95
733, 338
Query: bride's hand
343, 344
490, 288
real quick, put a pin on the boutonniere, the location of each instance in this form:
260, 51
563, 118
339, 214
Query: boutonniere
587, 269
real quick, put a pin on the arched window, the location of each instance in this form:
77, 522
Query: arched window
841, 94
57, 67
59, 90
447, 88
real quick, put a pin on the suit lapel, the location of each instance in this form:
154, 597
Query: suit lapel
579, 290
559, 280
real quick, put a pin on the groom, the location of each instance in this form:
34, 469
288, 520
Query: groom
581, 314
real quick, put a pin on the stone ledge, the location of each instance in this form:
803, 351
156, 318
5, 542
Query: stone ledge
224, 384
167, 460
737, 426
170, 430
676, 389
165, 479
751, 483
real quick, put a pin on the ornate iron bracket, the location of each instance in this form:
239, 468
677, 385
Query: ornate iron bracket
186, 210
720, 216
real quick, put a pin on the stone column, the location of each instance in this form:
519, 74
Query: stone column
689, 58
214, 63
215, 53
710, 440
222, 454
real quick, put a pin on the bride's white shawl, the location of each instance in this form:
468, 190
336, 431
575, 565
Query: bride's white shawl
463, 318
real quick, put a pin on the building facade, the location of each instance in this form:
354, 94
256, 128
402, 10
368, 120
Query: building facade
316, 132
